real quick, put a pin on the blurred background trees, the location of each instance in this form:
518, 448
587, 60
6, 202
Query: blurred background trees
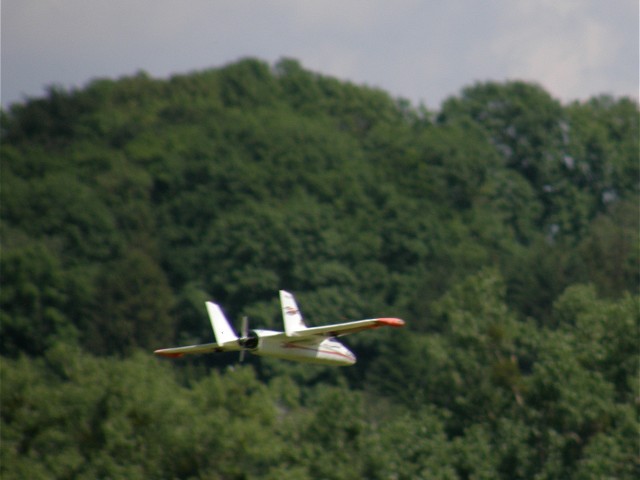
503, 228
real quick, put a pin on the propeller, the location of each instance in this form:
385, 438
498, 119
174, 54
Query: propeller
244, 331
248, 340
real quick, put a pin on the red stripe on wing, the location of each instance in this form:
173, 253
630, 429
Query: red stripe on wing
390, 322
168, 354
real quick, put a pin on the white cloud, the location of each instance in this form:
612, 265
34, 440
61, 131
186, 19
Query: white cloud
569, 47
415, 49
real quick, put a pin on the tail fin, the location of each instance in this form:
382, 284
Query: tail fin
292, 317
221, 328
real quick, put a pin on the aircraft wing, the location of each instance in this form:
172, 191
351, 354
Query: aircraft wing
347, 328
195, 349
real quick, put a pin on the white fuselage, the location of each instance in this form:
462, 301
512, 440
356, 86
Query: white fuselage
327, 351
298, 342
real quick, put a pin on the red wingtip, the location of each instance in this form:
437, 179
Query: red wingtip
390, 322
168, 355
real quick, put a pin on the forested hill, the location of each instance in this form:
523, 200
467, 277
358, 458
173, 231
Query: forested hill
503, 228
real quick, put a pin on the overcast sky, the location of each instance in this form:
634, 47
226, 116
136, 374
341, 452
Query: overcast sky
424, 51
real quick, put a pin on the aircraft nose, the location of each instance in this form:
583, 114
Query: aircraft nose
351, 356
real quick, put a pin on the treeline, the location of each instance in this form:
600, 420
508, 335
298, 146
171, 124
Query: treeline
503, 228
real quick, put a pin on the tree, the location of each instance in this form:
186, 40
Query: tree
521, 120
503, 229
132, 309
36, 300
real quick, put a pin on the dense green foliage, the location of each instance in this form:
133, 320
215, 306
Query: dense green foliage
503, 229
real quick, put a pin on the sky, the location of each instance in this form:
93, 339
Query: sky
421, 50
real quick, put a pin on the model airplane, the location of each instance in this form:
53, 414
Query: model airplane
297, 342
